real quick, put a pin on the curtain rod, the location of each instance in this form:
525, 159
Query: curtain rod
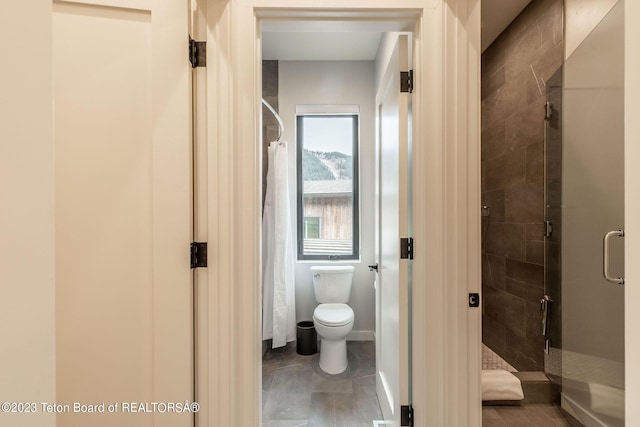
280, 124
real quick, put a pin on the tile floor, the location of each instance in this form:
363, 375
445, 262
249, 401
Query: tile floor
295, 392
526, 416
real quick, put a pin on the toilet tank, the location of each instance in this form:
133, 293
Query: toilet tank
332, 283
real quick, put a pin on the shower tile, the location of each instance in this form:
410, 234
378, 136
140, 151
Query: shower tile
527, 292
535, 232
544, 68
523, 352
525, 127
492, 307
498, 270
494, 334
495, 201
525, 50
269, 79
535, 252
524, 203
491, 360
533, 319
506, 309
494, 57
492, 82
506, 240
553, 255
535, 163
505, 171
493, 141
487, 279
525, 272
513, 309
549, 19
508, 99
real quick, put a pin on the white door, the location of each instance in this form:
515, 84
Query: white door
122, 195
392, 320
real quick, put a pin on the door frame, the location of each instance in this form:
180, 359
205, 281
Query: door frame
388, 82
446, 128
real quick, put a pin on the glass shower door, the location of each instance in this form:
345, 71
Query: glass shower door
585, 201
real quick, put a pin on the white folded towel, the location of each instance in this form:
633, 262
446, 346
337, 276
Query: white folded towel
500, 385
607, 400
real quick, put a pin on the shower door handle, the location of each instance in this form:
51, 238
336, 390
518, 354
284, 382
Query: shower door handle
545, 306
545, 313
605, 256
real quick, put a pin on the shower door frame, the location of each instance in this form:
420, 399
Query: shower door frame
632, 208
446, 387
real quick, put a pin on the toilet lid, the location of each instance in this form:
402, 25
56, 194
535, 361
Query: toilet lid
333, 314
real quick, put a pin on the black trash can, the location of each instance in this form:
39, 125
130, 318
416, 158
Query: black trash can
306, 338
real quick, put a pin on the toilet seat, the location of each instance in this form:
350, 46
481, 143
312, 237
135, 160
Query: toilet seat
333, 315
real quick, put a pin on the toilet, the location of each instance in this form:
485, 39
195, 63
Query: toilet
333, 318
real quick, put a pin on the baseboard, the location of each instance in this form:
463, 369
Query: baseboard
574, 409
361, 336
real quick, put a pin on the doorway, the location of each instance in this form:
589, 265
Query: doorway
446, 180
329, 83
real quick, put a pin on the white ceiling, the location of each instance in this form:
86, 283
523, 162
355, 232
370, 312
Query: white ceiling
309, 44
320, 46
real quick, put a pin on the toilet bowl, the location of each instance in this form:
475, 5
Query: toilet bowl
333, 322
333, 318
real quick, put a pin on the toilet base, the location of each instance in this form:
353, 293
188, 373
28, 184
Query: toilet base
333, 356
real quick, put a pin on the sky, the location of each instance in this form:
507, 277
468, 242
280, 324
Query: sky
329, 134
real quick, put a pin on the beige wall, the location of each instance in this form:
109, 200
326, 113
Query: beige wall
580, 18
27, 321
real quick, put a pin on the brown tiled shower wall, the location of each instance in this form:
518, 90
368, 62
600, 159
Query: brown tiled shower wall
269, 122
515, 69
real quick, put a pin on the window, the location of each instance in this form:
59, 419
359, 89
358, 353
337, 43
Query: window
328, 219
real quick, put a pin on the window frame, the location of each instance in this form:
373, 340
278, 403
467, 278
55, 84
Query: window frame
355, 220
305, 226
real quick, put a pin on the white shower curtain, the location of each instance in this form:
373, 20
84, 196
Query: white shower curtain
278, 285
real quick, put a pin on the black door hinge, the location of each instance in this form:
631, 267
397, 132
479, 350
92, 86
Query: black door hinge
406, 415
198, 254
197, 53
406, 248
406, 81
